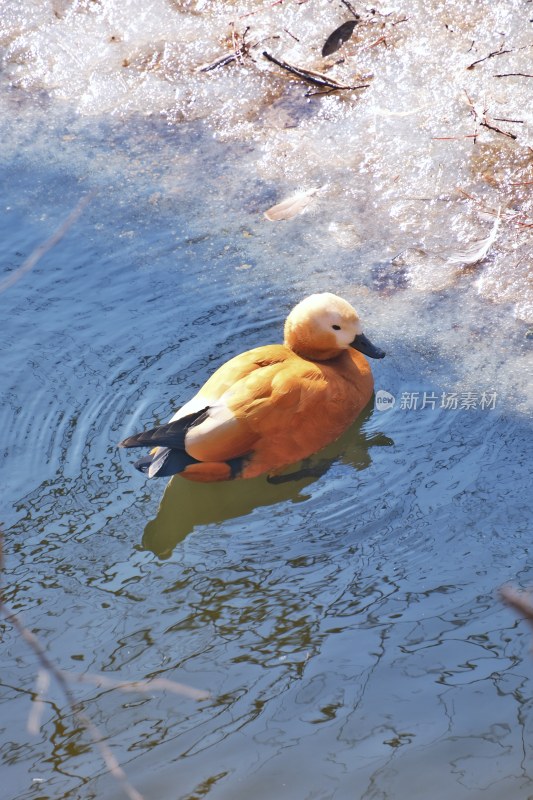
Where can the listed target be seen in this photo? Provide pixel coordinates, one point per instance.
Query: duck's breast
(310, 405)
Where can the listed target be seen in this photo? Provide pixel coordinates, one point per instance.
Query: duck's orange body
(271, 406)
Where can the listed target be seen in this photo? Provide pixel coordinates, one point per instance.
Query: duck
(271, 406)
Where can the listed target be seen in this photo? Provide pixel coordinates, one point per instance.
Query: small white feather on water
(475, 251)
(291, 206)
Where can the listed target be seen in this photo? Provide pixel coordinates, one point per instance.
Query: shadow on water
(186, 505)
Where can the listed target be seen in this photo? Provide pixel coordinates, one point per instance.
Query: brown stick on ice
(316, 78)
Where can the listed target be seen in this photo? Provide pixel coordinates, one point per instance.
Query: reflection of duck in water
(272, 406)
(185, 506)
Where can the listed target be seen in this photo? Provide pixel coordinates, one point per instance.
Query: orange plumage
(271, 406)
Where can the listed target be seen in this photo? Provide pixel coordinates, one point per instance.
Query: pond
(344, 627)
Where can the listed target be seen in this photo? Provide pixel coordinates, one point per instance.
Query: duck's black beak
(366, 347)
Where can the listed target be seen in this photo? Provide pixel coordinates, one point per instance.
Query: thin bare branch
(513, 75)
(49, 669)
(486, 124)
(316, 78)
(350, 8)
(46, 665)
(455, 138)
(33, 642)
(482, 118)
(42, 249)
(490, 55)
(291, 35)
(37, 708)
(150, 685)
(109, 759)
(240, 52)
(219, 62)
(258, 10)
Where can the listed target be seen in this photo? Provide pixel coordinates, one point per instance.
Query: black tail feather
(165, 463)
(170, 435)
(169, 456)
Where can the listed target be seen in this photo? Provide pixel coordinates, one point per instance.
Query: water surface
(346, 624)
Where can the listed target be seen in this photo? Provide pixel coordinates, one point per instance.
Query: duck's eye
(336, 327)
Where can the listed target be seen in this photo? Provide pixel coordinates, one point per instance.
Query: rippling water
(346, 624)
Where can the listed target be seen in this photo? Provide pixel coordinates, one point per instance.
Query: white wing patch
(197, 403)
(211, 439)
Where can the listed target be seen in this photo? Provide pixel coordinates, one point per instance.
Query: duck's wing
(242, 367)
(221, 434)
(212, 434)
(266, 402)
(229, 375)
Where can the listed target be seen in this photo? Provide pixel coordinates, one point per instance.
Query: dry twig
(315, 78)
(482, 118)
(350, 8)
(499, 52)
(149, 685)
(63, 679)
(513, 75)
(50, 669)
(241, 49)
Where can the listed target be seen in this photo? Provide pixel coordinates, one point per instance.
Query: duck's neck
(323, 349)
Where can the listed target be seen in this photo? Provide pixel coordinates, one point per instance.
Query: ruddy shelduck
(271, 406)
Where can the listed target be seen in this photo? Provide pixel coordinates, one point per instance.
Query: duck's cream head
(322, 325)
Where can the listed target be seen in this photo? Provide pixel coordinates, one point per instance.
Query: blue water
(346, 625)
